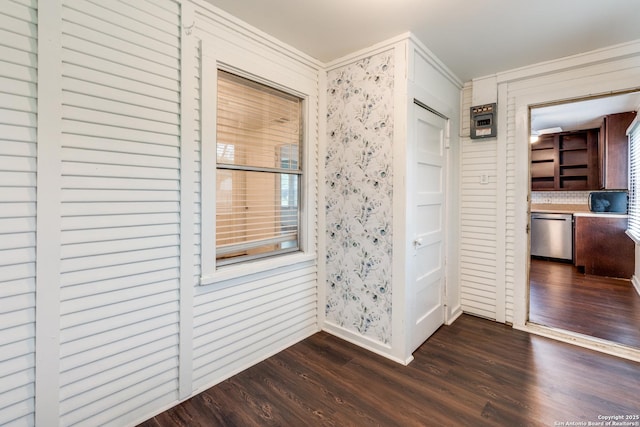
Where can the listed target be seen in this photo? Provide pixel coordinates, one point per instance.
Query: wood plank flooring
(600, 307)
(472, 373)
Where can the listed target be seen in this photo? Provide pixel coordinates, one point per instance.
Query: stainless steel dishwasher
(552, 235)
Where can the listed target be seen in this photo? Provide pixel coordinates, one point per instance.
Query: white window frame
(273, 75)
(633, 226)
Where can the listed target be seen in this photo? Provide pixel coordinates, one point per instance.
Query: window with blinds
(258, 170)
(633, 228)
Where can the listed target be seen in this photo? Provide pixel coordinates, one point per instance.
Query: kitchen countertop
(558, 208)
(601, 215)
(576, 210)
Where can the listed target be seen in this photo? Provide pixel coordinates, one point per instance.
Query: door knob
(417, 242)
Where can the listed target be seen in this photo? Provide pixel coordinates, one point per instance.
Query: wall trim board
(422, 94)
(584, 341)
(48, 227)
(580, 60)
(406, 37)
(435, 62)
(399, 317)
(501, 209)
(365, 52)
(322, 193)
(520, 217)
(362, 341)
(187, 198)
(455, 313)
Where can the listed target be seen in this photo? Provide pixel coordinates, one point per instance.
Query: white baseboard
(367, 343)
(197, 390)
(455, 313)
(636, 283)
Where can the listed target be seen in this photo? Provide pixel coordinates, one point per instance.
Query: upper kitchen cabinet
(565, 161)
(614, 151)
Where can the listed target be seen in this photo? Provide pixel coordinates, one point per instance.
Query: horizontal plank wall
(102, 133)
(120, 209)
(241, 322)
(478, 219)
(18, 121)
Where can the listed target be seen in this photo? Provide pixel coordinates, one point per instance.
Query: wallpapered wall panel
(359, 196)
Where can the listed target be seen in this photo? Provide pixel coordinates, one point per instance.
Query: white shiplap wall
(136, 333)
(241, 322)
(18, 109)
(196, 146)
(120, 209)
(478, 220)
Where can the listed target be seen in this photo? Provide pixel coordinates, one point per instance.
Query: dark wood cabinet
(602, 248)
(566, 161)
(614, 151)
(544, 158)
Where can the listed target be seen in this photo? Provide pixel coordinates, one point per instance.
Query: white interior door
(428, 204)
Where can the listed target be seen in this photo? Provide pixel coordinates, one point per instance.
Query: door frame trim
(580, 340)
(426, 107)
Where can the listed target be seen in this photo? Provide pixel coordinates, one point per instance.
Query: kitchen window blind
(633, 228)
(258, 170)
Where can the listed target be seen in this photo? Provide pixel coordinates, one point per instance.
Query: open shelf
(565, 161)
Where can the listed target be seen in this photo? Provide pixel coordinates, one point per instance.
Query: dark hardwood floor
(600, 307)
(472, 373)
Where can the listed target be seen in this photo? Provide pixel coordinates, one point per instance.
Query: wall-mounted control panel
(483, 121)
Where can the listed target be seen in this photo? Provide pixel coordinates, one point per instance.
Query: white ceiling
(473, 38)
(586, 114)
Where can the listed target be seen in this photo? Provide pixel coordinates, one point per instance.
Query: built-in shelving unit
(543, 163)
(565, 161)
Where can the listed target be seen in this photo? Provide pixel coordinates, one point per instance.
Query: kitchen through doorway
(581, 283)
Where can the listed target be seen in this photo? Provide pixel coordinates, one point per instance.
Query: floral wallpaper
(359, 196)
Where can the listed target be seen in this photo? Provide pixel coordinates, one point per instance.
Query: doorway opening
(585, 288)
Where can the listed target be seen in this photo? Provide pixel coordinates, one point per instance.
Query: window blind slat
(633, 226)
(258, 169)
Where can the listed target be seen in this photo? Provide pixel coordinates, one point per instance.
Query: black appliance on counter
(608, 202)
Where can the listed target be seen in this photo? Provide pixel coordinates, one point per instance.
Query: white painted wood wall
(18, 154)
(478, 219)
(120, 209)
(100, 106)
(101, 129)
